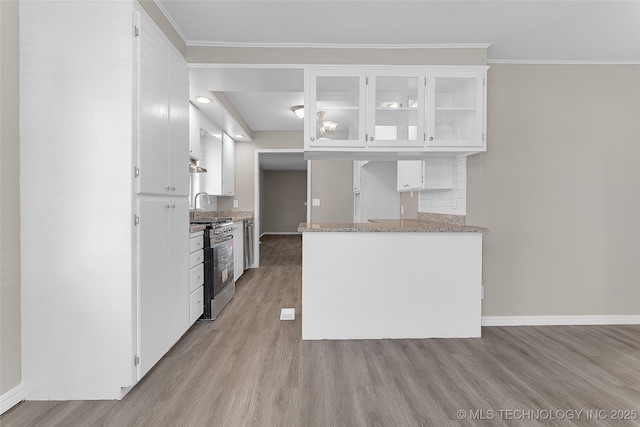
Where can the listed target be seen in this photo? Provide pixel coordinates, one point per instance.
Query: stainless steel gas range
(219, 287)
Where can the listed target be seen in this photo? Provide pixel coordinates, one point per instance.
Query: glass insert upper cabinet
(336, 116)
(395, 109)
(455, 109)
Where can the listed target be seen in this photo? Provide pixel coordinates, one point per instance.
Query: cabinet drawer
(196, 243)
(196, 306)
(196, 258)
(196, 277)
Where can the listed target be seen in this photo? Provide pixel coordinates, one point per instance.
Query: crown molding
(198, 43)
(557, 62)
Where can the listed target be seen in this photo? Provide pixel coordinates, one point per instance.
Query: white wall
(452, 201)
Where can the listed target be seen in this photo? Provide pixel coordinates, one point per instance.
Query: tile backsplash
(448, 201)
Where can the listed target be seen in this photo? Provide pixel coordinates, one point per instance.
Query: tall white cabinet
(104, 223)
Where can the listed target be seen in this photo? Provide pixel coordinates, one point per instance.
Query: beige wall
(245, 152)
(283, 206)
(558, 188)
(332, 183)
(10, 329)
(280, 55)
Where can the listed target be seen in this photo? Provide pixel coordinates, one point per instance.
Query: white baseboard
(559, 320)
(12, 398)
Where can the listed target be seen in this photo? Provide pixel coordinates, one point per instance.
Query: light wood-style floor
(248, 368)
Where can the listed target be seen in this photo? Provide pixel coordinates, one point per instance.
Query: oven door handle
(222, 239)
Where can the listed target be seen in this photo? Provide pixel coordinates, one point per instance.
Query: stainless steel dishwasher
(248, 243)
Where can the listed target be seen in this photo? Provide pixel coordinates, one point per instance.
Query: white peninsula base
(374, 285)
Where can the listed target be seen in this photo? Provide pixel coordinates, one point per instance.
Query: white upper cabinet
(228, 165)
(336, 113)
(434, 173)
(162, 155)
(456, 109)
(219, 159)
(395, 108)
(178, 125)
(153, 113)
(194, 132)
(394, 113)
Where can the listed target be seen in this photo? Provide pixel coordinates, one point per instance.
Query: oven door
(222, 263)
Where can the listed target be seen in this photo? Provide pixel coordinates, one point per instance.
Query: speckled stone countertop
(194, 228)
(393, 226)
(234, 215)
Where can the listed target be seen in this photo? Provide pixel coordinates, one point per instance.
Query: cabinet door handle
(173, 188)
(173, 206)
(167, 206)
(430, 138)
(370, 138)
(313, 138)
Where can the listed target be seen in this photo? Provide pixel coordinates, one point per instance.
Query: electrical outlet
(315, 202)
(235, 203)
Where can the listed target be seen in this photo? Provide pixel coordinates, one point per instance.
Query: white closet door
(178, 125)
(154, 293)
(153, 112)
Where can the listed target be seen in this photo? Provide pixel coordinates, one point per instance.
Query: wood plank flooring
(248, 368)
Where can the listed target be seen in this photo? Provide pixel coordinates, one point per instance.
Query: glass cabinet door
(396, 108)
(337, 110)
(456, 116)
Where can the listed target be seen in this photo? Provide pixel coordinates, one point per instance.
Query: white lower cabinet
(163, 254)
(196, 276)
(196, 304)
(238, 249)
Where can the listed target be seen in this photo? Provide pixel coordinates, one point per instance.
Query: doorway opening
(282, 191)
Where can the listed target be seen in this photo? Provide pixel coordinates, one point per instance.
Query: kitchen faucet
(195, 198)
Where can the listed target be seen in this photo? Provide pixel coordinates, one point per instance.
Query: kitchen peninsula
(391, 279)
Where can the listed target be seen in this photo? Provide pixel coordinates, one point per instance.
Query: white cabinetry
(395, 113)
(336, 100)
(431, 174)
(196, 276)
(163, 257)
(90, 304)
(395, 108)
(163, 117)
(194, 131)
(377, 198)
(219, 180)
(238, 249)
(357, 168)
(456, 109)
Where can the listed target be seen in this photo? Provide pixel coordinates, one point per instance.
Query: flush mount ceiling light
(298, 110)
(204, 100)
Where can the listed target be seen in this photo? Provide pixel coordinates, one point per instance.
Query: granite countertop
(392, 226)
(194, 228)
(234, 215)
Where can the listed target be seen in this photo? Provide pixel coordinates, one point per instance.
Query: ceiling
(591, 31)
(567, 30)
